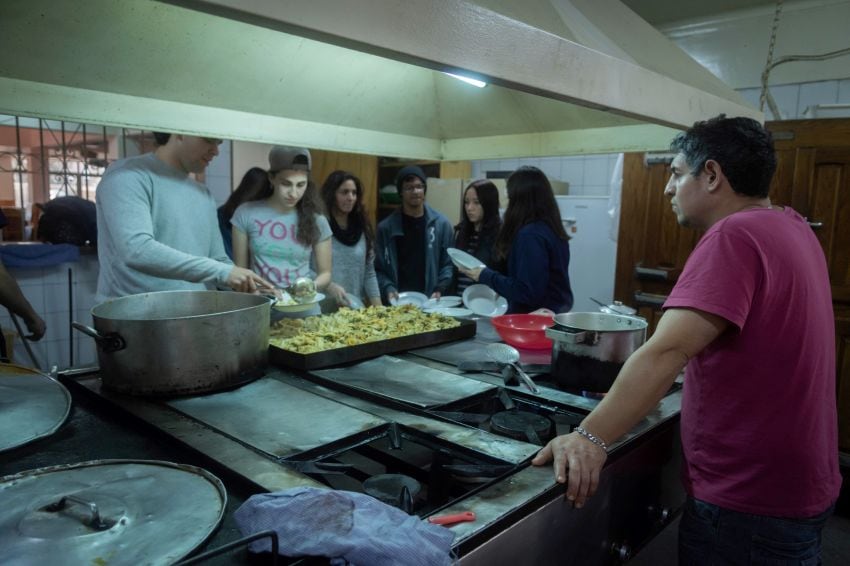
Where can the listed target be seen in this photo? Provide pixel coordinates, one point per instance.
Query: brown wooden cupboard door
(822, 195)
(651, 247)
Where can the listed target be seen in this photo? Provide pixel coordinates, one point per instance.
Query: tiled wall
(793, 99)
(47, 290)
(588, 175)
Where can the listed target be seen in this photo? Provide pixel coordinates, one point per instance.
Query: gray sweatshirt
(157, 231)
(352, 271)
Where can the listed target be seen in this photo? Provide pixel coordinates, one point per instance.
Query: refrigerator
(593, 254)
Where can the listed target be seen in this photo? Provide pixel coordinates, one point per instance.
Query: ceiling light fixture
(473, 82)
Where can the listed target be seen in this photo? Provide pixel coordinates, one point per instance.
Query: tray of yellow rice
(357, 334)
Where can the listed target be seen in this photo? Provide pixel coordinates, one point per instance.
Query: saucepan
(589, 348)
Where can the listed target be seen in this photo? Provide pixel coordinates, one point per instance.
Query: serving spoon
(506, 354)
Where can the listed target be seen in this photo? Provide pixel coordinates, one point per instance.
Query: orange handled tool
(447, 520)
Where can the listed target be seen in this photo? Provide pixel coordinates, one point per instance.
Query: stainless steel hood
(360, 76)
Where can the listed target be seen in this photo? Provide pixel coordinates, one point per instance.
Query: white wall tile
(596, 171)
(787, 98)
(508, 164)
(476, 170)
(751, 95)
(551, 167)
(822, 92)
(844, 91)
(572, 171)
(596, 190)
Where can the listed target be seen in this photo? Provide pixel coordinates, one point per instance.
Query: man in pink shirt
(750, 319)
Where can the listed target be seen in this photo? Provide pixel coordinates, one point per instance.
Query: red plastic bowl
(524, 330)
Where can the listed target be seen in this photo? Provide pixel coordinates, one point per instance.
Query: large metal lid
(32, 406)
(108, 512)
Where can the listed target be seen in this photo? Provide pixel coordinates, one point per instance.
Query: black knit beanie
(410, 170)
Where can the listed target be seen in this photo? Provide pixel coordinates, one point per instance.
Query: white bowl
(410, 298)
(299, 307)
(484, 301)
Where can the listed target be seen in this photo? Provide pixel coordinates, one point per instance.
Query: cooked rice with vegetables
(350, 327)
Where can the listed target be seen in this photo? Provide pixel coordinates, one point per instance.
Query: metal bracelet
(591, 437)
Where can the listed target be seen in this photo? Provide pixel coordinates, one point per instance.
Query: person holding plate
(277, 235)
(478, 227)
(532, 249)
(412, 243)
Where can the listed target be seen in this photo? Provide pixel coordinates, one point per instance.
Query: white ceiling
(658, 12)
(358, 76)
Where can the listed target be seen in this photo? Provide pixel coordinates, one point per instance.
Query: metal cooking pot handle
(574, 336)
(111, 342)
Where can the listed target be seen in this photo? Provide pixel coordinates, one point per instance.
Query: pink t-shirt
(759, 417)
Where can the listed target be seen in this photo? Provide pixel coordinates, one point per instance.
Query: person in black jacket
(478, 227)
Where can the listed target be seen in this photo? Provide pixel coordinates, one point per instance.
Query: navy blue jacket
(538, 275)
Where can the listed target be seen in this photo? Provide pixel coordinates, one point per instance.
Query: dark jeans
(709, 534)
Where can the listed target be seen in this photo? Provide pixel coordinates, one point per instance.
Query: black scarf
(351, 235)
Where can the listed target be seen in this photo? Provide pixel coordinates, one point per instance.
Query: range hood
(581, 76)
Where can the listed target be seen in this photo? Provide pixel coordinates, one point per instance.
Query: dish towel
(350, 528)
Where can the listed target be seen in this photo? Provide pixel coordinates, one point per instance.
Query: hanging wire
(768, 65)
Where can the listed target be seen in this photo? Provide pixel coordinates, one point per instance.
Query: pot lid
(108, 512)
(617, 307)
(32, 406)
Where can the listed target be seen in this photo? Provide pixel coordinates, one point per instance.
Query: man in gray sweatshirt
(157, 228)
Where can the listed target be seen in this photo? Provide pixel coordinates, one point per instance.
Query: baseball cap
(285, 157)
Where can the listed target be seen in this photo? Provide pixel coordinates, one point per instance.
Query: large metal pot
(589, 348)
(180, 342)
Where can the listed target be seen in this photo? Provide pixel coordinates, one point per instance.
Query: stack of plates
(484, 301)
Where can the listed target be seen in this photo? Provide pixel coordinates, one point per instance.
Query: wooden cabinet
(812, 176)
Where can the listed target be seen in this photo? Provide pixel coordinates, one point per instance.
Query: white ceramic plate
(411, 298)
(442, 303)
(462, 259)
(452, 311)
(299, 307)
(483, 301)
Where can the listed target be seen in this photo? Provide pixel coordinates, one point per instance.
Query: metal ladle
(505, 354)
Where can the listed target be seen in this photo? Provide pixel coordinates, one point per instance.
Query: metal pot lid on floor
(108, 512)
(32, 406)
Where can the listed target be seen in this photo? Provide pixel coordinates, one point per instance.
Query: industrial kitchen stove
(415, 434)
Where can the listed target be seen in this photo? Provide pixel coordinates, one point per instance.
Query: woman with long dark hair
(478, 227)
(254, 183)
(277, 234)
(533, 248)
(353, 240)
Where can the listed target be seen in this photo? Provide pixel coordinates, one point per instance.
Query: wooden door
(822, 195)
(651, 246)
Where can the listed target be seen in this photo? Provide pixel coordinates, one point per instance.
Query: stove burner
(523, 425)
(393, 489)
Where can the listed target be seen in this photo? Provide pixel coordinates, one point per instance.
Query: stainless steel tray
(337, 356)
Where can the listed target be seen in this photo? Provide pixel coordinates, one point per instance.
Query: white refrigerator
(593, 254)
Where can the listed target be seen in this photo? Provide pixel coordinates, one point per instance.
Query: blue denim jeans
(709, 534)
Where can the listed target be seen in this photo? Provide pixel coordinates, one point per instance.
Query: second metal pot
(588, 348)
(180, 342)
